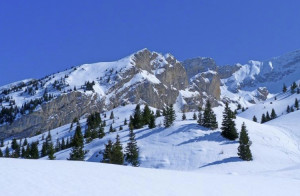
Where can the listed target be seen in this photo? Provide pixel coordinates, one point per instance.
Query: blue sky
(42, 37)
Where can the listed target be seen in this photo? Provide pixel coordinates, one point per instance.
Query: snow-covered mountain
(30, 108)
(143, 77)
(271, 73)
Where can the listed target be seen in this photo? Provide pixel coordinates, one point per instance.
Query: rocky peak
(197, 65)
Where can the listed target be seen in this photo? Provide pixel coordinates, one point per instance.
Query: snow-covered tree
(244, 151)
(77, 152)
(228, 125)
(132, 150)
(209, 117)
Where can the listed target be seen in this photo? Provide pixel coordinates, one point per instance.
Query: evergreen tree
(77, 152)
(1, 153)
(284, 89)
(209, 117)
(288, 109)
(244, 151)
(63, 144)
(7, 152)
(34, 151)
(268, 117)
(23, 152)
(296, 104)
(107, 152)
(194, 116)
(273, 114)
(157, 114)
(2, 143)
(164, 112)
(101, 132)
(25, 142)
(293, 87)
(125, 121)
(200, 118)
(112, 115)
(169, 116)
(132, 150)
(228, 125)
(292, 109)
(44, 151)
(14, 144)
(183, 116)
(51, 152)
(137, 120)
(254, 119)
(152, 122)
(27, 152)
(146, 115)
(117, 154)
(111, 129)
(263, 118)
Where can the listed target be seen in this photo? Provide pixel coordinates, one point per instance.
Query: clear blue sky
(42, 37)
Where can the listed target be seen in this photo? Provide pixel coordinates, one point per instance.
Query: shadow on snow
(227, 160)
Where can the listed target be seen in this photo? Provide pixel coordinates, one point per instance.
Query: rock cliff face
(198, 65)
(59, 111)
(144, 77)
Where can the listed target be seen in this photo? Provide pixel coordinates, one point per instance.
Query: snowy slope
(188, 146)
(30, 177)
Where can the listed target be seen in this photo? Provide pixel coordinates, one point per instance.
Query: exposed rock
(262, 93)
(59, 111)
(198, 65)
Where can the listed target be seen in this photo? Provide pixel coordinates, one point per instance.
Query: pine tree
(169, 116)
(77, 152)
(244, 151)
(293, 87)
(157, 114)
(172, 114)
(1, 153)
(44, 151)
(112, 115)
(2, 143)
(183, 116)
(14, 144)
(296, 104)
(200, 118)
(273, 114)
(111, 129)
(51, 152)
(209, 117)
(132, 150)
(292, 109)
(263, 118)
(23, 152)
(25, 142)
(288, 109)
(228, 125)
(101, 132)
(268, 118)
(254, 119)
(146, 115)
(63, 144)
(34, 151)
(284, 89)
(117, 154)
(137, 120)
(107, 152)
(125, 121)
(7, 152)
(194, 116)
(152, 122)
